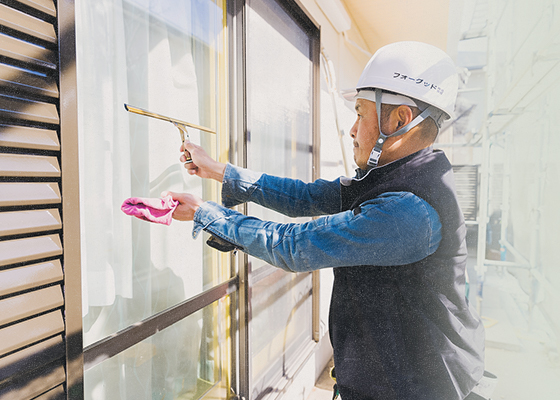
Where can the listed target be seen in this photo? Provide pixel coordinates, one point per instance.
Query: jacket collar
(361, 174)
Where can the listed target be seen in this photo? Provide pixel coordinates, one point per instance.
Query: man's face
(364, 132)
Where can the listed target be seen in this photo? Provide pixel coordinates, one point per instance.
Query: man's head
(410, 88)
(365, 132)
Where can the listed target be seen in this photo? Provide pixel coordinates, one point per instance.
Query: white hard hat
(414, 69)
(410, 69)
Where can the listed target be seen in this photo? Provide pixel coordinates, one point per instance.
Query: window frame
(239, 132)
(80, 359)
(238, 287)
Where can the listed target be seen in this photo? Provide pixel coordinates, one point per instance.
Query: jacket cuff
(237, 185)
(206, 214)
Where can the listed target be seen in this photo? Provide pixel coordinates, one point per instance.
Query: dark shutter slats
(26, 24)
(24, 137)
(19, 82)
(57, 393)
(29, 249)
(41, 353)
(28, 110)
(32, 326)
(16, 280)
(30, 53)
(30, 386)
(28, 193)
(44, 6)
(22, 222)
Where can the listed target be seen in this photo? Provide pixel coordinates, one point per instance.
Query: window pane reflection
(163, 56)
(183, 361)
(279, 94)
(281, 324)
(279, 72)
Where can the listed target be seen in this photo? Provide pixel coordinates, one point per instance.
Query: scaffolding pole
(482, 218)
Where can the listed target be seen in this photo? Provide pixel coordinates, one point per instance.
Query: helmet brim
(349, 94)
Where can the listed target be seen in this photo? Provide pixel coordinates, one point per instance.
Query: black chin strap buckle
(376, 151)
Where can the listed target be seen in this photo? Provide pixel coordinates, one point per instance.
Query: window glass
(279, 72)
(164, 56)
(281, 326)
(183, 361)
(279, 138)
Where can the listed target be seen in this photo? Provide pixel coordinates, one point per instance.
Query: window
(279, 141)
(170, 58)
(182, 361)
(167, 57)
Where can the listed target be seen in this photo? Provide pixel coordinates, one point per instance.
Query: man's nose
(353, 130)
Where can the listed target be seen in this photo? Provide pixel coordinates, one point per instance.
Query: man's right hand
(203, 165)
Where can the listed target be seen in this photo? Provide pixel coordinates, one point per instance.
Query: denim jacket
(396, 228)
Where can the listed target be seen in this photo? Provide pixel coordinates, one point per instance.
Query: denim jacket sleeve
(290, 197)
(393, 229)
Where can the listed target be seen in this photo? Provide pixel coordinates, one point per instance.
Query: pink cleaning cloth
(159, 211)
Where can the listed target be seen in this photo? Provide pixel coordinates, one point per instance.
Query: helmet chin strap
(376, 151)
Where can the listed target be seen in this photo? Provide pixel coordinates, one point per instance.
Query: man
(400, 324)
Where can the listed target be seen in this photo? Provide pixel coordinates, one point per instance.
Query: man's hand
(188, 204)
(203, 165)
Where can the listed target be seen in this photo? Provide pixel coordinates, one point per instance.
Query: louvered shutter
(466, 183)
(32, 326)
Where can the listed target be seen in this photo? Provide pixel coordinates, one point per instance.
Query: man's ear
(403, 115)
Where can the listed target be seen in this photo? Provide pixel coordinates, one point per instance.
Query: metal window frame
(238, 86)
(79, 359)
(238, 287)
(134, 334)
(241, 368)
(131, 335)
(70, 199)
